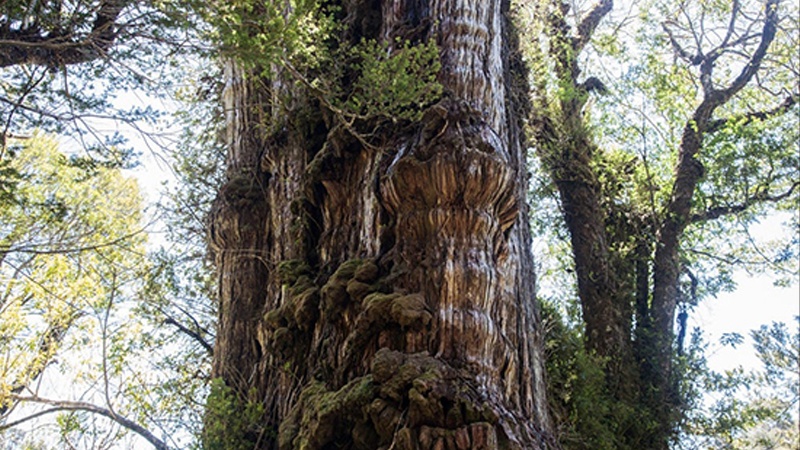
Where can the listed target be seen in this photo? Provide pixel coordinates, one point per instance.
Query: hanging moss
(306, 309)
(334, 292)
(299, 312)
(275, 318)
(405, 401)
(283, 343)
(243, 190)
(300, 309)
(367, 272)
(357, 290)
(410, 311)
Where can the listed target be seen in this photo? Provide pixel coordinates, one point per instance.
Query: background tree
(674, 157)
(371, 239)
(71, 244)
(65, 67)
(65, 64)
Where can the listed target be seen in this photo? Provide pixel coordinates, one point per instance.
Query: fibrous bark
(382, 296)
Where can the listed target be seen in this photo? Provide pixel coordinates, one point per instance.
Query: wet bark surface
(382, 296)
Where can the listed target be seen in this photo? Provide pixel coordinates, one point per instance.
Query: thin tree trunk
(382, 296)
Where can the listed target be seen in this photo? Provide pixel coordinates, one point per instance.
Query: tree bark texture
(382, 296)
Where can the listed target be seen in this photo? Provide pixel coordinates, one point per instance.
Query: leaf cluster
(586, 415)
(745, 409)
(395, 83)
(304, 42)
(232, 423)
(262, 34)
(69, 244)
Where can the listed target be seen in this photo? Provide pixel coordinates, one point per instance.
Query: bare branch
(191, 333)
(104, 340)
(723, 259)
(731, 25)
(34, 248)
(30, 85)
(679, 50)
(48, 345)
(698, 39)
(759, 197)
(65, 405)
(752, 66)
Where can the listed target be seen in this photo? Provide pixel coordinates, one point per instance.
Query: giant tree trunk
(382, 296)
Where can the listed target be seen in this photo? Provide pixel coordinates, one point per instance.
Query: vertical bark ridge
(350, 186)
(453, 191)
(239, 237)
(471, 43)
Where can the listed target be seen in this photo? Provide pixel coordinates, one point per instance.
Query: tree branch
(716, 125)
(731, 24)
(687, 175)
(589, 23)
(44, 249)
(752, 66)
(48, 344)
(760, 197)
(678, 48)
(65, 405)
(191, 333)
(56, 48)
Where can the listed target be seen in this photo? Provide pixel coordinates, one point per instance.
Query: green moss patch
(320, 416)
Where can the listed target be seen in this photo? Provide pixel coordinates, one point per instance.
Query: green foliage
(232, 423)
(82, 102)
(651, 96)
(746, 409)
(261, 33)
(633, 134)
(70, 243)
(396, 84)
(586, 415)
(367, 80)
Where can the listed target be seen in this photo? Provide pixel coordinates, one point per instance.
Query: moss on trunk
(386, 291)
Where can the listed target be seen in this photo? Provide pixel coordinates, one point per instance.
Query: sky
(755, 302)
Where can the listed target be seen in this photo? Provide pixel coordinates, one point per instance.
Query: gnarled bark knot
(452, 195)
(237, 216)
(452, 181)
